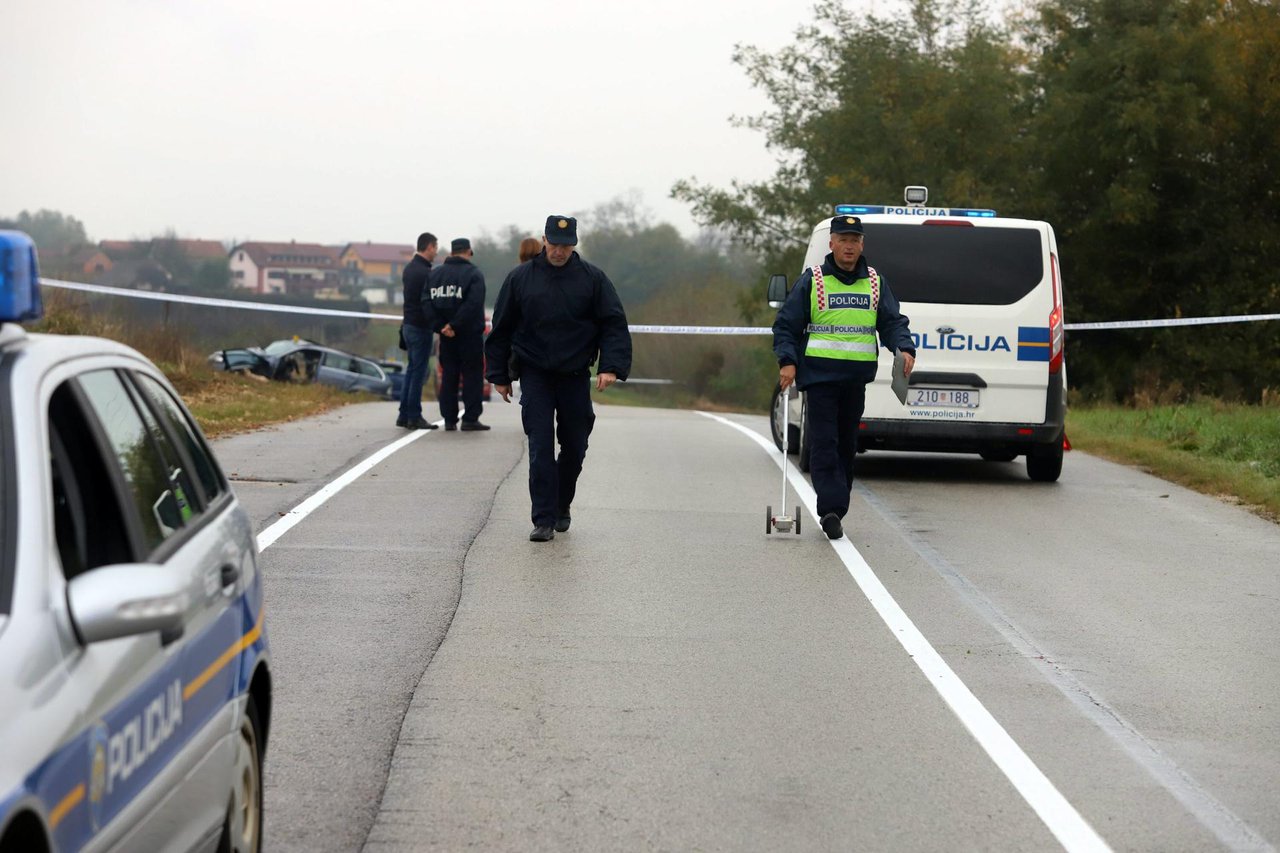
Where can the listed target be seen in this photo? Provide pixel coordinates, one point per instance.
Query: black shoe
(401, 422)
(542, 534)
(418, 423)
(450, 427)
(562, 523)
(831, 526)
(474, 426)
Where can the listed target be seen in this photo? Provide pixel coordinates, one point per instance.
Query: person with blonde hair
(529, 248)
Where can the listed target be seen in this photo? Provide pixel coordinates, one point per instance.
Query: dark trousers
(462, 357)
(418, 340)
(834, 410)
(554, 407)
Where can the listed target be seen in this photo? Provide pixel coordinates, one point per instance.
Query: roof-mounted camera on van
(916, 196)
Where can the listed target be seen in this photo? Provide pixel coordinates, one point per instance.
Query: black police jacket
(790, 336)
(414, 278)
(454, 296)
(558, 319)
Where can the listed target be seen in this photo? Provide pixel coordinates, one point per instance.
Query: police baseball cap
(561, 230)
(846, 225)
(459, 244)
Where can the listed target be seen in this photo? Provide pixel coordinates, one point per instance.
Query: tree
(861, 107)
(54, 233)
(1156, 128)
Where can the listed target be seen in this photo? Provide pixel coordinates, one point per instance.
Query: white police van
(983, 294)
(135, 697)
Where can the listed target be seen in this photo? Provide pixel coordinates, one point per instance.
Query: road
(666, 676)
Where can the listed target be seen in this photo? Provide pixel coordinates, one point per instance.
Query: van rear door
(978, 295)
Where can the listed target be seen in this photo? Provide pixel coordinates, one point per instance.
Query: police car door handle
(230, 574)
(946, 330)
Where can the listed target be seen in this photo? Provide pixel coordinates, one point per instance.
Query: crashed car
(302, 362)
(395, 372)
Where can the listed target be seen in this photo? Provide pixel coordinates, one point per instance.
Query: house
(121, 250)
(373, 264)
(293, 267)
(202, 250)
(91, 262)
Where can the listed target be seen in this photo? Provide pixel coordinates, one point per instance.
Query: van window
(956, 264)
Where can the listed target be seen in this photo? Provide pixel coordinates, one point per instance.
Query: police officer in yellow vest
(825, 341)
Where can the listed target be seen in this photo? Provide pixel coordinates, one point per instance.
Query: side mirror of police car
(777, 290)
(125, 600)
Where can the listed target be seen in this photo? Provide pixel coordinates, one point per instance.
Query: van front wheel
(1044, 462)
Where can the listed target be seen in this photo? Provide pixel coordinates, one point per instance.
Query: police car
(984, 297)
(135, 695)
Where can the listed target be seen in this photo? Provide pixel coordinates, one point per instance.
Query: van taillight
(1056, 332)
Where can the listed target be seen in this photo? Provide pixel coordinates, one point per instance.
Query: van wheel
(1044, 462)
(775, 425)
(242, 827)
(998, 455)
(805, 444)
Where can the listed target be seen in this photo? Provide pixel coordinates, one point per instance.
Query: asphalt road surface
(999, 665)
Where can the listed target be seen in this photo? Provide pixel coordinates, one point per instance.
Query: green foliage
(211, 275)
(53, 232)
(1146, 131)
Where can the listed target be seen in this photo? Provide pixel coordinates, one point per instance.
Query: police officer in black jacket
(554, 314)
(417, 333)
(453, 302)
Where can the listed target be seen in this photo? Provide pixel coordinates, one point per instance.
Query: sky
(318, 122)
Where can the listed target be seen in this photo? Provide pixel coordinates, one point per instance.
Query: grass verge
(1227, 450)
(222, 403)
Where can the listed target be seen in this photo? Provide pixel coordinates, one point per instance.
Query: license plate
(957, 398)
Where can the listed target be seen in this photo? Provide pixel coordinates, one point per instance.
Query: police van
(983, 294)
(135, 695)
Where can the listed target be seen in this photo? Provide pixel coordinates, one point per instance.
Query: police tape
(1176, 321)
(214, 302)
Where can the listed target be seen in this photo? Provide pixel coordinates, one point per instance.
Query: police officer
(453, 302)
(554, 314)
(416, 332)
(825, 341)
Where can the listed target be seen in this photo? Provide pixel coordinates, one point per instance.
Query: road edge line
(1057, 814)
(293, 517)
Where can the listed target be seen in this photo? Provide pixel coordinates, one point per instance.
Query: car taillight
(1056, 333)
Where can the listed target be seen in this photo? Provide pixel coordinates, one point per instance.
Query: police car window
(89, 527)
(180, 426)
(956, 265)
(160, 503)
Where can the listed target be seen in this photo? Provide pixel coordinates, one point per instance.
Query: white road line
(291, 518)
(1058, 815)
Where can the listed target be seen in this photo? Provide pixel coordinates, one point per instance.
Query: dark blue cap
(846, 225)
(459, 244)
(561, 230)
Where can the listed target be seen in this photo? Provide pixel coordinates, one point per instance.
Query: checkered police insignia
(563, 223)
(820, 289)
(875, 287)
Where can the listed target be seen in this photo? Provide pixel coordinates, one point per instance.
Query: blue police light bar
(923, 210)
(19, 278)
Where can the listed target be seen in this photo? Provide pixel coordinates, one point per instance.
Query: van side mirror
(777, 290)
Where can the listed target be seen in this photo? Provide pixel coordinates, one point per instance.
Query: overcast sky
(294, 119)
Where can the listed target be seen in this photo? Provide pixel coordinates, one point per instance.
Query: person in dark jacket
(453, 302)
(554, 314)
(825, 341)
(417, 333)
